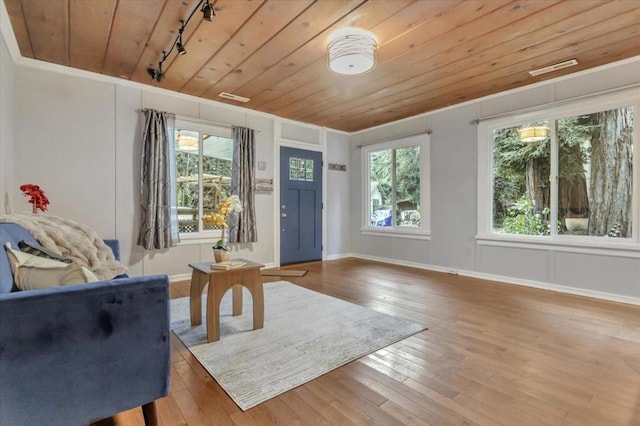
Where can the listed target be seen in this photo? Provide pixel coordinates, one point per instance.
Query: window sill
(588, 245)
(198, 238)
(413, 234)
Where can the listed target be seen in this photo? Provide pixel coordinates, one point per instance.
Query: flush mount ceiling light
(532, 134)
(207, 13)
(352, 51)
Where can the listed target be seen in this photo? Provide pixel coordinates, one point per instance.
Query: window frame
(202, 127)
(553, 113)
(420, 232)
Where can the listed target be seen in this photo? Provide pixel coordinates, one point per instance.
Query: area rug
(275, 272)
(306, 334)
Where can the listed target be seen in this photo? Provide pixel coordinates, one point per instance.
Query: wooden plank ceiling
(431, 54)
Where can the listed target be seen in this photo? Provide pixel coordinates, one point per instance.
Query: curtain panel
(243, 225)
(158, 207)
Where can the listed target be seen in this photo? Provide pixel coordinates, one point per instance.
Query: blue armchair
(75, 354)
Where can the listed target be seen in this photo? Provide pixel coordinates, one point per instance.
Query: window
(566, 175)
(203, 167)
(396, 186)
(301, 169)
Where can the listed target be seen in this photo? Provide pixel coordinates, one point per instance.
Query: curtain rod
(427, 132)
(151, 109)
(552, 104)
(215, 123)
(198, 120)
(203, 121)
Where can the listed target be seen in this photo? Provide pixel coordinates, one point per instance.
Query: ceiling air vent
(233, 97)
(554, 67)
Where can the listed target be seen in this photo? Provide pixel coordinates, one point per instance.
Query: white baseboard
(612, 297)
(406, 263)
(510, 280)
(179, 277)
(339, 256)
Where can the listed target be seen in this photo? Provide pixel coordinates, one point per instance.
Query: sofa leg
(150, 414)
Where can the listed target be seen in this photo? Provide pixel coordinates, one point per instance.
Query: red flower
(36, 196)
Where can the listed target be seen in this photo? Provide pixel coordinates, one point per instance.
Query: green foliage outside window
(523, 219)
(395, 179)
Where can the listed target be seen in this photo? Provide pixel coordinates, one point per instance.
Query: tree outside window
(594, 178)
(395, 187)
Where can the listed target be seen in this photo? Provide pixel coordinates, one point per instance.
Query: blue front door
(300, 205)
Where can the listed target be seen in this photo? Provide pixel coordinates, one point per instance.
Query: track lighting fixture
(207, 13)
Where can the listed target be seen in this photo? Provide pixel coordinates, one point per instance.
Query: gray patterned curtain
(158, 207)
(242, 228)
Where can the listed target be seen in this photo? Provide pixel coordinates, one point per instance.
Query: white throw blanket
(72, 240)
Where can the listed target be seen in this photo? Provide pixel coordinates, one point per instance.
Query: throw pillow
(38, 250)
(33, 272)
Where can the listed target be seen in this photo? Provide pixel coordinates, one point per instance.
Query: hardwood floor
(493, 354)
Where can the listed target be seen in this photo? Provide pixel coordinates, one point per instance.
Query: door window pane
(301, 169)
(595, 182)
(521, 186)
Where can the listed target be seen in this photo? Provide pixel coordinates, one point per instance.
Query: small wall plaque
(264, 185)
(338, 167)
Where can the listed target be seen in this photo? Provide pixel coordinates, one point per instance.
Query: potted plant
(577, 222)
(220, 218)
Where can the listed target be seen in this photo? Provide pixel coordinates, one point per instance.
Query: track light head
(179, 45)
(208, 12)
(152, 73)
(156, 74)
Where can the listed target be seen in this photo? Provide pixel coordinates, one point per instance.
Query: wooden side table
(221, 280)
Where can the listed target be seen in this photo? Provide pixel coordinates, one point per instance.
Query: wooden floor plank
(417, 403)
(169, 413)
(322, 403)
(494, 354)
(308, 415)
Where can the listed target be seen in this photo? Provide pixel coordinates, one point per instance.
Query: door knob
(283, 215)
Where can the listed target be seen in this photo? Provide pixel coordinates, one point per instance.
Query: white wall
(338, 208)
(7, 78)
(66, 145)
(454, 200)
